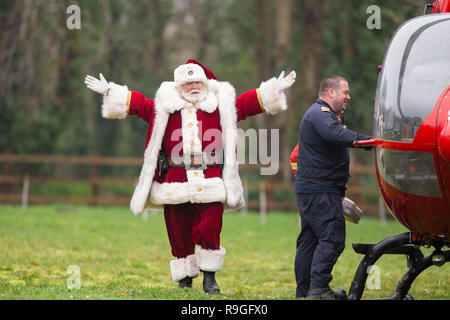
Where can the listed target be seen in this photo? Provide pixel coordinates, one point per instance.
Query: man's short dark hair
(328, 82)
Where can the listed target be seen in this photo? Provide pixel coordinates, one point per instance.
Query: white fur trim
(213, 85)
(178, 269)
(184, 267)
(228, 120)
(199, 190)
(210, 260)
(115, 103)
(190, 132)
(189, 72)
(169, 97)
(192, 269)
(142, 190)
(273, 100)
(209, 104)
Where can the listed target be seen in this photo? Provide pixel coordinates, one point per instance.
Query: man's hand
(366, 144)
(285, 82)
(100, 86)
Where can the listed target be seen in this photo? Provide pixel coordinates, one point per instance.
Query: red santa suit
(193, 198)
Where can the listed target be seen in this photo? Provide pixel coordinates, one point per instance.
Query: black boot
(326, 294)
(209, 282)
(341, 294)
(185, 283)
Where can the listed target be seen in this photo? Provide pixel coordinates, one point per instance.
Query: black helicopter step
(397, 244)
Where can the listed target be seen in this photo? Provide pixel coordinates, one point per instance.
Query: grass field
(124, 257)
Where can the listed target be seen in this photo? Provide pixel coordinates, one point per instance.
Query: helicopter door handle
(365, 143)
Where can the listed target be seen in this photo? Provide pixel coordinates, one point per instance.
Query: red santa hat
(192, 71)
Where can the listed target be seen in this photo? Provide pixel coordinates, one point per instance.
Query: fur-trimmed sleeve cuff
(273, 101)
(117, 102)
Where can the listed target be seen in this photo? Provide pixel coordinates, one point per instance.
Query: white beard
(194, 97)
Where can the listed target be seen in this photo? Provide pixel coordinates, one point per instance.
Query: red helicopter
(412, 146)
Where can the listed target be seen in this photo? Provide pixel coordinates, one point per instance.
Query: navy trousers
(321, 240)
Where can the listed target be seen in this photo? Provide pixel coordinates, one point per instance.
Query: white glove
(285, 82)
(100, 86)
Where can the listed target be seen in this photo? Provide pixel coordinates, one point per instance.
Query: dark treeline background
(46, 109)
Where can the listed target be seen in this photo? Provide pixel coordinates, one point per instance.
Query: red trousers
(189, 224)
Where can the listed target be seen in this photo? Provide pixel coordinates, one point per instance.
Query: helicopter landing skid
(397, 244)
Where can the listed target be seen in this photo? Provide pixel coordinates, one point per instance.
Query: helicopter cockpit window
(415, 71)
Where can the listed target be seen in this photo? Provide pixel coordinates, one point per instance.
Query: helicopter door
(415, 71)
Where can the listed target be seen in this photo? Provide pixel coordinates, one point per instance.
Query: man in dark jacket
(320, 183)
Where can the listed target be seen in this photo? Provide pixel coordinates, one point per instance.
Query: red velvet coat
(247, 105)
(180, 127)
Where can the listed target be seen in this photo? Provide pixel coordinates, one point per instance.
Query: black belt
(196, 161)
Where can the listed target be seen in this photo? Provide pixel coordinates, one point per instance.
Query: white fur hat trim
(189, 73)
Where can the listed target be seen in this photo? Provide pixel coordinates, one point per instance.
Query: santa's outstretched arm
(118, 101)
(269, 97)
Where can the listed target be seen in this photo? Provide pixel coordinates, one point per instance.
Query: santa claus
(190, 164)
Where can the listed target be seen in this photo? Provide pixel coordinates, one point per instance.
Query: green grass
(126, 257)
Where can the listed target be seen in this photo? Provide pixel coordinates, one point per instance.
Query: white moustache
(195, 95)
(194, 91)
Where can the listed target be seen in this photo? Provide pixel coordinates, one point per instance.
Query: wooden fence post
(270, 193)
(6, 187)
(95, 179)
(262, 202)
(25, 190)
(244, 209)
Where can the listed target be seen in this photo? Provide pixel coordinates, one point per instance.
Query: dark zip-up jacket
(323, 150)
